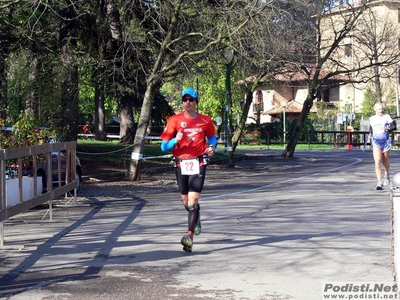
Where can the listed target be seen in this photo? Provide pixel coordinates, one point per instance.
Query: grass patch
(281, 147)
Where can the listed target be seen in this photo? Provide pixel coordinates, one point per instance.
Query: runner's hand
(210, 151)
(179, 136)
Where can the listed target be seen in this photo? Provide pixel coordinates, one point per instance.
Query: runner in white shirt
(380, 126)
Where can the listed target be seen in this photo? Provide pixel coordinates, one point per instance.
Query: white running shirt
(378, 124)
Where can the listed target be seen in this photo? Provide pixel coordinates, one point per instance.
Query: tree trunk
(127, 127)
(3, 88)
(32, 96)
(113, 19)
(377, 83)
(144, 120)
(69, 93)
(295, 135)
(243, 119)
(69, 112)
(99, 114)
(6, 42)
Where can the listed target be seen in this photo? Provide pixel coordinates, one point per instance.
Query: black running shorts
(190, 183)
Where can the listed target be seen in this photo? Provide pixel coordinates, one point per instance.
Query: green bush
(24, 133)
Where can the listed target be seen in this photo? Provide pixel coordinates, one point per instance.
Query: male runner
(380, 126)
(186, 133)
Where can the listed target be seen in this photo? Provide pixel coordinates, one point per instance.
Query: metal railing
(336, 139)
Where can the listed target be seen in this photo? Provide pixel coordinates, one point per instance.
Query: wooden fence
(51, 193)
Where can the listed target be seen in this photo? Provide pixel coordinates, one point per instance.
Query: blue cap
(191, 92)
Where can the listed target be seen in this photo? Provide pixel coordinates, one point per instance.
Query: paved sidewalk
(276, 233)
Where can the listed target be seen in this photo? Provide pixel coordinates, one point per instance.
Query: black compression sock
(192, 219)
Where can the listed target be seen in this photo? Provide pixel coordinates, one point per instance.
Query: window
(348, 50)
(258, 104)
(323, 96)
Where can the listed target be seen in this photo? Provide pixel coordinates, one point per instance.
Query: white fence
(395, 218)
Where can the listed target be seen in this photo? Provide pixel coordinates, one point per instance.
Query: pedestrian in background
(381, 125)
(191, 136)
(86, 128)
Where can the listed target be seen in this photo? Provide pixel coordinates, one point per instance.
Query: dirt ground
(105, 170)
(95, 170)
(101, 167)
(96, 166)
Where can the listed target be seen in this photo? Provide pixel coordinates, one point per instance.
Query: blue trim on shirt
(212, 140)
(168, 145)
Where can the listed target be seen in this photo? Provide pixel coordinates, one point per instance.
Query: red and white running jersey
(195, 131)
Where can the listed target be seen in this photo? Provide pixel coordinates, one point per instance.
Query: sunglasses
(188, 99)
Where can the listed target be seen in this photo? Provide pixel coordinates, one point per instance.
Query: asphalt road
(277, 233)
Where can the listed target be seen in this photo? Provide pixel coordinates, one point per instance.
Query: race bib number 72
(190, 167)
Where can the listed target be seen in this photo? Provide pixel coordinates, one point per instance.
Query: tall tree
(31, 41)
(68, 118)
(178, 32)
(109, 37)
(333, 24)
(379, 39)
(266, 46)
(7, 38)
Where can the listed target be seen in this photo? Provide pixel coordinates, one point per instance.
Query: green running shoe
(187, 242)
(197, 229)
(187, 249)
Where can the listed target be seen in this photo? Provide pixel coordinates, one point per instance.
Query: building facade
(376, 36)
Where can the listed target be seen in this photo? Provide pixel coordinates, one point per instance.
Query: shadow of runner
(109, 243)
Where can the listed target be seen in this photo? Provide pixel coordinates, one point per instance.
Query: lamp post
(228, 55)
(284, 124)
